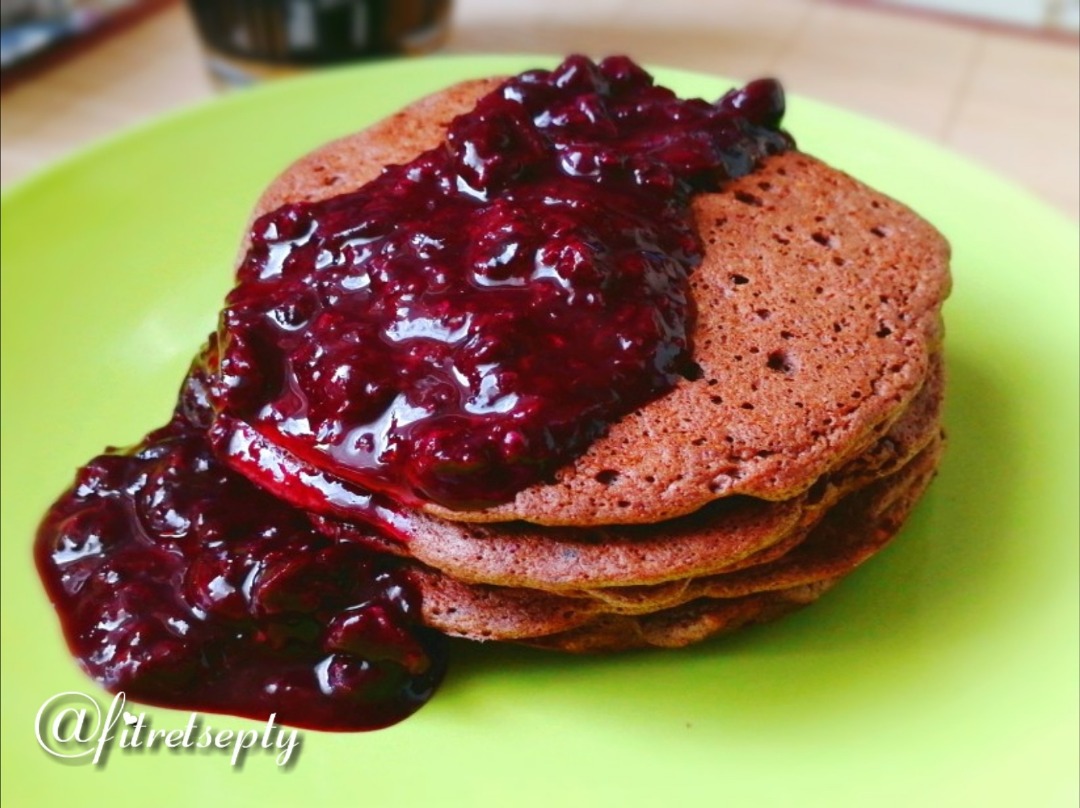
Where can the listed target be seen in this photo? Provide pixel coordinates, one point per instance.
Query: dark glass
(247, 40)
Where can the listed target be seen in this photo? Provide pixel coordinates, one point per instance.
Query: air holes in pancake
(739, 280)
(607, 476)
(884, 331)
(746, 405)
(822, 238)
(724, 478)
(781, 362)
(748, 199)
(691, 371)
(716, 399)
(763, 314)
(880, 232)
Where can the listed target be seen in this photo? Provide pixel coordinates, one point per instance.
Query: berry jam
(182, 584)
(454, 331)
(466, 324)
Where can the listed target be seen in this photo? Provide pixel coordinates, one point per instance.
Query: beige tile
(27, 113)
(70, 121)
(1028, 69)
(125, 80)
(1020, 116)
(16, 163)
(892, 66)
(737, 38)
(702, 51)
(521, 14)
(740, 38)
(21, 109)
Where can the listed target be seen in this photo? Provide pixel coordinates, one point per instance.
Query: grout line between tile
(959, 97)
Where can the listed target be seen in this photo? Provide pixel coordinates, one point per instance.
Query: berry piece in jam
(466, 324)
(180, 583)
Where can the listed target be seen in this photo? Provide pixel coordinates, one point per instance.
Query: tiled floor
(981, 91)
(1060, 14)
(1009, 101)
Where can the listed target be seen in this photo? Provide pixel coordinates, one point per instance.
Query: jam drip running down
(182, 584)
(466, 324)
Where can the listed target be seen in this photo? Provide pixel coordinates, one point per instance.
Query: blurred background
(995, 80)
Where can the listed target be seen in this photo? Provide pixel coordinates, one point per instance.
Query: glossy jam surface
(466, 324)
(180, 583)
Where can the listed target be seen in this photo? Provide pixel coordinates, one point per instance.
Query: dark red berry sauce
(180, 583)
(453, 331)
(467, 323)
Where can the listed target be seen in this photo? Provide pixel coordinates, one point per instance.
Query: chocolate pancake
(846, 539)
(724, 535)
(856, 528)
(817, 313)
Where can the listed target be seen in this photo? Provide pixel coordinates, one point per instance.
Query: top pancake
(818, 307)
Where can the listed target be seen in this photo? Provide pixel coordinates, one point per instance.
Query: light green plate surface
(944, 672)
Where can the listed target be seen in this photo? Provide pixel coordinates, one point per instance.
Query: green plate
(944, 672)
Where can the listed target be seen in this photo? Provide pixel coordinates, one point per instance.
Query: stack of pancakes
(794, 454)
